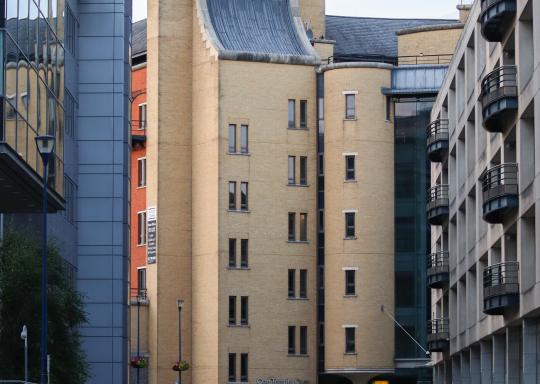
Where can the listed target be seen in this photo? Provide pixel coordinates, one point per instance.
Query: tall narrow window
(232, 138)
(292, 170)
(303, 113)
(244, 310)
(321, 220)
(303, 283)
(303, 340)
(303, 227)
(142, 116)
(244, 137)
(232, 310)
(292, 226)
(244, 367)
(141, 279)
(232, 367)
(350, 169)
(292, 114)
(349, 225)
(321, 164)
(303, 170)
(244, 196)
(292, 283)
(388, 109)
(232, 195)
(350, 342)
(244, 251)
(141, 228)
(292, 340)
(232, 253)
(350, 106)
(350, 282)
(141, 168)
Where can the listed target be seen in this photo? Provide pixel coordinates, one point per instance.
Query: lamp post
(45, 146)
(180, 304)
(24, 336)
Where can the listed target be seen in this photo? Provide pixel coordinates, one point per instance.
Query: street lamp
(180, 304)
(45, 146)
(24, 336)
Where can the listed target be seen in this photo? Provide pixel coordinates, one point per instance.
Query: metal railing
(438, 329)
(499, 181)
(501, 279)
(437, 196)
(500, 83)
(440, 59)
(437, 130)
(140, 294)
(438, 262)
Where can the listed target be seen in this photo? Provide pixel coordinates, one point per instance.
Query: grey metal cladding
(258, 30)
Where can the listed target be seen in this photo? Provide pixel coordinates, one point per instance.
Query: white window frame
(139, 243)
(141, 160)
(142, 126)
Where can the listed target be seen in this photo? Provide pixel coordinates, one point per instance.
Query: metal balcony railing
(437, 130)
(501, 279)
(438, 329)
(440, 59)
(438, 262)
(139, 294)
(498, 84)
(500, 181)
(437, 196)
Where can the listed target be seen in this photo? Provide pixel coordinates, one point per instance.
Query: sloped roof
(138, 37)
(364, 36)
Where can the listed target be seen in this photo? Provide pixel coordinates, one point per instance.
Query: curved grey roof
(364, 36)
(138, 37)
(258, 30)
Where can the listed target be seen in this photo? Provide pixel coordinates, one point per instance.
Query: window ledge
(351, 353)
(298, 241)
(297, 298)
(141, 245)
(297, 129)
(238, 326)
(141, 187)
(297, 355)
(239, 153)
(350, 238)
(298, 185)
(350, 119)
(238, 268)
(350, 296)
(350, 181)
(238, 211)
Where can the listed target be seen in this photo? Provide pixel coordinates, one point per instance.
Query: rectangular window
(350, 106)
(292, 170)
(292, 114)
(142, 116)
(70, 108)
(292, 283)
(232, 195)
(349, 225)
(321, 164)
(303, 170)
(292, 226)
(303, 340)
(350, 342)
(321, 221)
(244, 196)
(70, 195)
(292, 340)
(244, 136)
(232, 253)
(303, 227)
(141, 166)
(232, 138)
(232, 310)
(244, 251)
(244, 368)
(244, 310)
(71, 26)
(141, 226)
(350, 169)
(388, 109)
(303, 283)
(232, 367)
(303, 113)
(141, 279)
(350, 282)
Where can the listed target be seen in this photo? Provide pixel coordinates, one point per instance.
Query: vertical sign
(151, 245)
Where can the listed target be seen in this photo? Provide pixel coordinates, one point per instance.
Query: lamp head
(24, 333)
(45, 145)
(180, 303)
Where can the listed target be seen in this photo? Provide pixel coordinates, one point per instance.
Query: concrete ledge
(429, 28)
(359, 64)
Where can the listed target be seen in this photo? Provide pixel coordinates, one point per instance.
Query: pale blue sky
(435, 9)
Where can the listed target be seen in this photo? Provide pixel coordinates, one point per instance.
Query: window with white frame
(141, 228)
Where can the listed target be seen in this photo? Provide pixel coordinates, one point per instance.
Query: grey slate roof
(364, 36)
(138, 37)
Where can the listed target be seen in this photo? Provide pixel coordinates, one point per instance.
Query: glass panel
(349, 225)
(232, 138)
(292, 170)
(244, 196)
(350, 346)
(232, 253)
(292, 341)
(303, 340)
(244, 367)
(350, 283)
(244, 300)
(232, 195)
(303, 170)
(232, 367)
(303, 113)
(292, 114)
(292, 283)
(303, 227)
(244, 253)
(350, 168)
(292, 226)
(232, 310)
(350, 106)
(303, 283)
(244, 139)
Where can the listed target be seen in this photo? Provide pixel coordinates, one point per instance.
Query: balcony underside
(437, 279)
(438, 343)
(437, 150)
(500, 114)
(497, 19)
(498, 304)
(496, 211)
(438, 215)
(21, 188)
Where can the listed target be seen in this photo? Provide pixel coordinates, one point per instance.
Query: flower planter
(139, 362)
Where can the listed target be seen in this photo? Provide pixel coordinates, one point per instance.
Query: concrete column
(475, 365)
(499, 359)
(530, 334)
(456, 370)
(465, 368)
(486, 359)
(513, 355)
(447, 372)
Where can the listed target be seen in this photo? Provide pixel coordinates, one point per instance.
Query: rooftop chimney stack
(464, 10)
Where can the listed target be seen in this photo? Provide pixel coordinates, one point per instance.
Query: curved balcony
(501, 287)
(500, 98)
(437, 140)
(496, 18)
(500, 192)
(438, 335)
(438, 270)
(438, 204)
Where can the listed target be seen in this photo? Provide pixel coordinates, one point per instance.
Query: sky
(434, 9)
